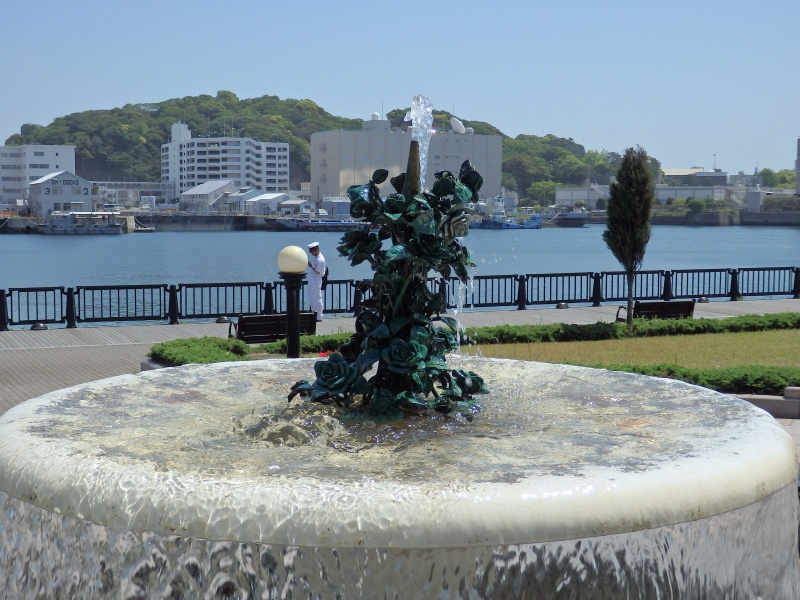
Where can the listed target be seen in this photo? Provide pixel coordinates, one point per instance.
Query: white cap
(313, 245)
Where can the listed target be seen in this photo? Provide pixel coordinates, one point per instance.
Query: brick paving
(33, 363)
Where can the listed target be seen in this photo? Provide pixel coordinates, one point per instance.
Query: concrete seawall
(23, 225)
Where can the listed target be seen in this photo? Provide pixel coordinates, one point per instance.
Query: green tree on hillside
(125, 143)
(786, 178)
(630, 201)
(768, 177)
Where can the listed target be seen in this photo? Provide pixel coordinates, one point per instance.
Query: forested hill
(124, 144)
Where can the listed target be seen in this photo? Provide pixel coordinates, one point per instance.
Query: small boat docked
(82, 223)
(493, 222)
(564, 218)
(499, 220)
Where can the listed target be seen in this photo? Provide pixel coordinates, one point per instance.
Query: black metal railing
(647, 285)
(95, 304)
(28, 306)
(162, 302)
(214, 300)
(709, 283)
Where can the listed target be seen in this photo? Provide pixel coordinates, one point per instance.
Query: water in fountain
(199, 481)
(421, 117)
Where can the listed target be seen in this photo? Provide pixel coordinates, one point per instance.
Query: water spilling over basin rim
(557, 453)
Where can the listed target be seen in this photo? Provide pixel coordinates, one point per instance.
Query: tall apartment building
(20, 165)
(188, 161)
(340, 159)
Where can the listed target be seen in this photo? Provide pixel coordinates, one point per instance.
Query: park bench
(260, 329)
(660, 309)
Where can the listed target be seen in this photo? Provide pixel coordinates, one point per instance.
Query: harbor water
(223, 257)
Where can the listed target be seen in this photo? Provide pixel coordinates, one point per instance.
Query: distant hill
(124, 144)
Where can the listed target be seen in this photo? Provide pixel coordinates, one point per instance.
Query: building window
(38, 153)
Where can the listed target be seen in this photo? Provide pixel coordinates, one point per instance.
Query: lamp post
(292, 262)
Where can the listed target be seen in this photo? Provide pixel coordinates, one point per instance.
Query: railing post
(443, 291)
(597, 289)
(3, 311)
(667, 286)
(173, 305)
(356, 298)
(796, 290)
(72, 314)
(734, 295)
(522, 298)
(269, 305)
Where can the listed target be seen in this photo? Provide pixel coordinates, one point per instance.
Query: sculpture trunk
(411, 186)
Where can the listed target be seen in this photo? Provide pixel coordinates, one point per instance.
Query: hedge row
(750, 379)
(180, 352)
(560, 332)
(738, 380)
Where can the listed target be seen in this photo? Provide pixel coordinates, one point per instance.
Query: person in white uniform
(317, 264)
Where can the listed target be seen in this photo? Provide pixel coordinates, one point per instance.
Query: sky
(701, 83)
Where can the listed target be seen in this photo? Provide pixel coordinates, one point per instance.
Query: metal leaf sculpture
(401, 338)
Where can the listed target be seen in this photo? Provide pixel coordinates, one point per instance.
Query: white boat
(82, 223)
(565, 218)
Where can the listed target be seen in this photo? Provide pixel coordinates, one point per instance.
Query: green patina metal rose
(335, 375)
(404, 357)
(394, 362)
(455, 224)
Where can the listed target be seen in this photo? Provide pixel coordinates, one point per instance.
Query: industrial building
(22, 165)
(343, 158)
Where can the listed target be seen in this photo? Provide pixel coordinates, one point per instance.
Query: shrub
(199, 350)
(751, 379)
(210, 349)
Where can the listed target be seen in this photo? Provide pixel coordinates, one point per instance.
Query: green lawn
(767, 348)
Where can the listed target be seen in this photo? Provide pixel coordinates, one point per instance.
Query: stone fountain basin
(557, 453)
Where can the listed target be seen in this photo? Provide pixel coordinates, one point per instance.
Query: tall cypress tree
(628, 216)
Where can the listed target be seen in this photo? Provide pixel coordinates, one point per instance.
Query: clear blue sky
(686, 80)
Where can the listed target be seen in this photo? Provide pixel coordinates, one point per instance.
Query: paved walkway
(33, 363)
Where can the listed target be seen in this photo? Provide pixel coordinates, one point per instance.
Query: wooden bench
(260, 329)
(660, 309)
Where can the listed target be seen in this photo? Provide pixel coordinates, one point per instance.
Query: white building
(21, 165)
(568, 196)
(61, 191)
(248, 201)
(340, 159)
(209, 196)
(188, 161)
(265, 204)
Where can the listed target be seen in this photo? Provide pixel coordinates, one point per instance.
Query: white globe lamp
(292, 262)
(292, 259)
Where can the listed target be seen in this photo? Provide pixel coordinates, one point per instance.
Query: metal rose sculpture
(395, 360)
